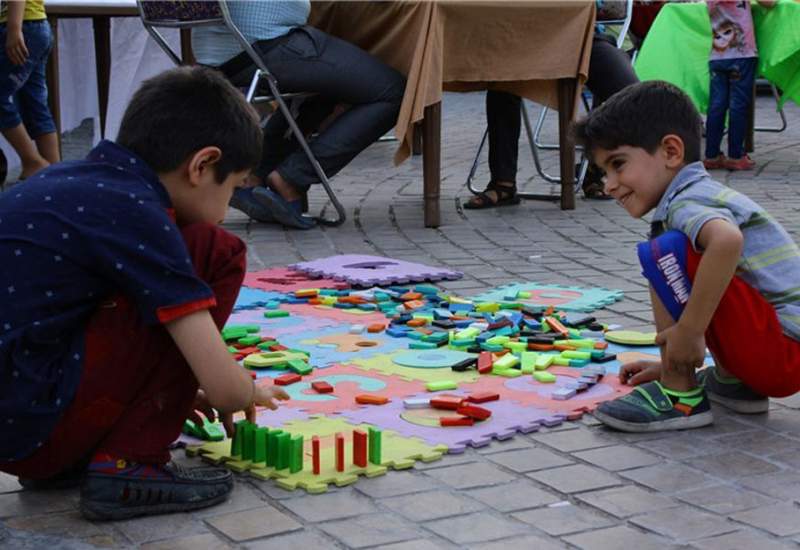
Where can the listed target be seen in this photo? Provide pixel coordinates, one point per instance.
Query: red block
(369, 399)
(473, 411)
(340, 452)
(360, 448)
(286, 379)
(485, 362)
(277, 347)
(321, 387)
(447, 402)
(456, 421)
(483, 397)
(315, 454)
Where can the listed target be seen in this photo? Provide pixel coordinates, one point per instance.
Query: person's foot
(731, 393)
(118, 489)
(715, 163)
(283, 188)
(497, 193)
(651, 408)
(744, 163)
(243, 200)
(31, 167)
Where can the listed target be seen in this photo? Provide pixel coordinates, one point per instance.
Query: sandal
(506, 196)
(593, 186)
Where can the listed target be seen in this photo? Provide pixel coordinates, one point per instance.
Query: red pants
(747, 339)
(136, 388)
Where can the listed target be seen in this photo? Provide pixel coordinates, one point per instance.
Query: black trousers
(610, 71)
(309, 60)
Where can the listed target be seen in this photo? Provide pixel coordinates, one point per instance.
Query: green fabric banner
(679, 43)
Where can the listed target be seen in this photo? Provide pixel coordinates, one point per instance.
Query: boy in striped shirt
(723, 273)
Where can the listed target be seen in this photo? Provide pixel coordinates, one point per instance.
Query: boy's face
(634, 177)
(209, 201)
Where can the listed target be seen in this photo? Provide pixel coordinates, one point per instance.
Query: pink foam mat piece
(363, 270)
(282, 279)
(507, 419)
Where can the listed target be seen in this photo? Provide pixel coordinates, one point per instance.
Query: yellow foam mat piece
(385, 365)
(397, 452)
(631, 337)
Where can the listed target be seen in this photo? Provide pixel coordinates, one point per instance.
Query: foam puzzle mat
(395, 363)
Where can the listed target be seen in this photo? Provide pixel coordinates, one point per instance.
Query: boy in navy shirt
(115, 284)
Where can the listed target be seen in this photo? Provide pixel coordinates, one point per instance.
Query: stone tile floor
(730, 486)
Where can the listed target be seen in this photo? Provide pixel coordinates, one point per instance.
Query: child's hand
(265, 396)
(683, 350)
(16, 49)
(202, 405)
(639, 372)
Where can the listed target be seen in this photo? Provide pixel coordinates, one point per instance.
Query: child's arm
(684, 342)
(15, 42)
(227, 386)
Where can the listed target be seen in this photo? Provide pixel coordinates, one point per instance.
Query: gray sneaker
(243, 201)
(731, 393)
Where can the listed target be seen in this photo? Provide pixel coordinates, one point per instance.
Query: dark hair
(180, 111)
(640, 116)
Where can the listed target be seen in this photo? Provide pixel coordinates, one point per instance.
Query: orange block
(370, 399)
(305, 293)
(456, 421)
(447, 402)
(564, 347)
(541, 347)
(314, 301)
(417, 323)
(414, 304)
(601, 345)
(377, 327)
(411, 296)
(556, 325)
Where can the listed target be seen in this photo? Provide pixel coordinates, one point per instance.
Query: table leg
(102, 54)
(566, 144)
(431, 162)
(416, 139)
(186, 47)
(51, 74)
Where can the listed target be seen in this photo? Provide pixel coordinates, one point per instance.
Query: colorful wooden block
(260, 445)
(284, 440)
(413, 403)
(485, 362)
(315, 463)
(375, 447)
(441, 385)
(544, 377)
(272, 447)
(483, 397)
(296, 454)
(286, 379)
(360, 440)
(370, 399)
(320, 386)
(456, 421)
(446, 402)
(473, 411)
(339, 452)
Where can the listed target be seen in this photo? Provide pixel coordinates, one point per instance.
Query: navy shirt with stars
(71, 237)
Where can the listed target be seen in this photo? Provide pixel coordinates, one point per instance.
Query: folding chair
(534, 133)
(177, 14)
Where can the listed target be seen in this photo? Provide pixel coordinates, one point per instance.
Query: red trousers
(136, 388)
(747, 339)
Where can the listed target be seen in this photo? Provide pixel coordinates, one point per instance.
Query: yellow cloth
(34, 11)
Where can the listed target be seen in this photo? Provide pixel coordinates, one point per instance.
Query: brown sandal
(506, 196)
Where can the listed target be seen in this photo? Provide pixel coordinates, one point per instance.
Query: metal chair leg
(781, 114)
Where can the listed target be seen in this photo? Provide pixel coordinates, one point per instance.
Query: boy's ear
(674, 149)
(202, 162)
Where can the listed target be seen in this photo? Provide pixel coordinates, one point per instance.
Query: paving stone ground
(733, 485)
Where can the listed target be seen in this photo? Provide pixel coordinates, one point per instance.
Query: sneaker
(715, 163)
(744, 163)
(120, 490)
(242, 200)
(652, 408)
(731, 393)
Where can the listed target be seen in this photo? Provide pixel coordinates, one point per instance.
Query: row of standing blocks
(279, 449)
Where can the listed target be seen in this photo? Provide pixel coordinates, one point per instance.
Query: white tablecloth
(134, 57)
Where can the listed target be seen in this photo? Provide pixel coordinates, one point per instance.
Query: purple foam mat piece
(507, 419)
(363, 270)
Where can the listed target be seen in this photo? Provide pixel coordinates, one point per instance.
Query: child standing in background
(25, 118)
(732, 64)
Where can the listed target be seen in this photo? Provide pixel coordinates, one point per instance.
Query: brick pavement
(577, 486)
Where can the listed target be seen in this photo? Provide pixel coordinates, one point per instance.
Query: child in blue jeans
(732, 64)
(25, 118)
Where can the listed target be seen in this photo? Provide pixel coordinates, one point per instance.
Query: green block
(375, 446)
(296, 455)
(272, 447)
(422, 345)
(490, 307)
(238, 438)
(544, 376)
(498, 340)
(284, 441)
(491, 347)
(544, 361)
(437, 337)
(249, 441)
(275, 313)
(232, 349)
(560, 361)
(508, 361)
(507, 373)
(441, 385)
(572, 354)
(414, 335)
(516, 347)
(581, 343)
(265, 345)
(467, 334)
(260, 453)
(598, 354)
(249, 340)
(233, 334)
(300, 367)
(528, 360)
(523, 294)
